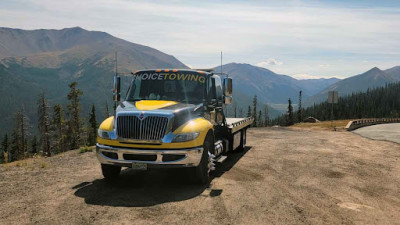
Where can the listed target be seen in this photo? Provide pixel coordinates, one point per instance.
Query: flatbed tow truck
(171, 118)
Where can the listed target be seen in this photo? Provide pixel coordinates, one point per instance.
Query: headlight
(185, 137)
(103, 134)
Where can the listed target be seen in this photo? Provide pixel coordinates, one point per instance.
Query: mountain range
(32, 61)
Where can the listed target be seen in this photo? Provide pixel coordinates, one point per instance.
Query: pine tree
(92, 131)
(300, 110)
(249, 112)
(34, 145)
(58, 125)
(107, 111)
(44, 124)
(290, 114)
(4, 149)
(255, 110)
(240, 112)
(74, 111)
(266, 116)
(260, 119)
(15, 146)
(20, 135)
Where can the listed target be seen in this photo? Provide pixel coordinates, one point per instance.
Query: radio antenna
(116, 67)
(221, 62)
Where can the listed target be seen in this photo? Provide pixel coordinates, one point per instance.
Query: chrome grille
(150, 128)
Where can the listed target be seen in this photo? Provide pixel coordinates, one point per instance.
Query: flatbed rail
(236, 124)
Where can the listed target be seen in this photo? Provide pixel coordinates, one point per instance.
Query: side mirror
(227, 90)
(117, 89)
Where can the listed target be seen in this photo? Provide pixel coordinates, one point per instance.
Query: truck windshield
(180, 87)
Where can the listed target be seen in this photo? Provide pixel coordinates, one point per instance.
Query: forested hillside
(375, 103)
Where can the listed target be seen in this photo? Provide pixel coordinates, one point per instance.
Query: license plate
(139, 166)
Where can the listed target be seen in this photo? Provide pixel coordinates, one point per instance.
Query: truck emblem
(141, 116)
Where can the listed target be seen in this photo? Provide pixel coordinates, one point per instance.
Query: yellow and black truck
(170, 118)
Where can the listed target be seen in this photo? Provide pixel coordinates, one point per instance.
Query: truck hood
(154, 106)
(181, 112)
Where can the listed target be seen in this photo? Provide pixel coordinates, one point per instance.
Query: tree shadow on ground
(149, 188)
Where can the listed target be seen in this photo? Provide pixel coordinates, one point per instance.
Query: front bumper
(120, 156)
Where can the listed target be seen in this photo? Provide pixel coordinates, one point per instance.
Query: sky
(300, 38)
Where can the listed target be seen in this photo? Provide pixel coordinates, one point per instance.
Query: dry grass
(324, 125)
(29, 163)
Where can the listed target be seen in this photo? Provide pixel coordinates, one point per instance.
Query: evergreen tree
(58, 126)
(44, 124)
(240, 112)
(249, 112)
(255, 110)
(107, 111)
(74, 123)
(34, 145)
(15, 146)
(290, 114)
(4, 148)
(20, 136)
(266, 116)
(260, 119)
(92, 131)
(300, 110)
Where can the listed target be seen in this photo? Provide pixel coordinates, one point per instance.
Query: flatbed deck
(236, 124)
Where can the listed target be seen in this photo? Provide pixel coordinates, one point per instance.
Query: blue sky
(304, 39)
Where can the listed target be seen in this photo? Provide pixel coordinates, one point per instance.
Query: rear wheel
(110, 172)
(202, 171)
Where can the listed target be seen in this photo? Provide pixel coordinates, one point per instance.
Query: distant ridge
(374, 77)
(271, 87)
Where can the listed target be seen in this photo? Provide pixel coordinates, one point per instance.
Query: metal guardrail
(355, 124)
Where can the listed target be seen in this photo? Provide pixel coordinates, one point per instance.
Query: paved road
(387, 132)
(285, 176)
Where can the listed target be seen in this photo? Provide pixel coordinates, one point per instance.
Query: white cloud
(269, 62)
(306, 76)
(302, 34)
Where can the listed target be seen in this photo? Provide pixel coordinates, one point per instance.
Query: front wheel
(202, 171)
(110, 172)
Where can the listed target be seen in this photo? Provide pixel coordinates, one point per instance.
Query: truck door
(215, 98)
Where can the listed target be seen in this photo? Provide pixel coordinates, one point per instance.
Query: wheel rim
(211, 162)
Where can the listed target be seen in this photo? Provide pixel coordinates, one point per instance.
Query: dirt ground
(285, 176)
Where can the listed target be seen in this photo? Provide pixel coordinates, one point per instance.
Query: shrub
(84, 149)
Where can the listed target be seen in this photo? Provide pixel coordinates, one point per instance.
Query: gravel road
(285, 176)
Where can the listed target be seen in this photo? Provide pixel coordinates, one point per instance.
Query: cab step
(221, 159)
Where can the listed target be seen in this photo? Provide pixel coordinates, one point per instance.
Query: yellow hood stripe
(153, 104)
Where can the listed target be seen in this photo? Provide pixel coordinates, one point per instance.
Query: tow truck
(170, 118)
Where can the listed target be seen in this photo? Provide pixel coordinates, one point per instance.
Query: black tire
(110, 172)
(242, 145)
(202, 171)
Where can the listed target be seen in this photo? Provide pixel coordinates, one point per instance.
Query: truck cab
(170, 118)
